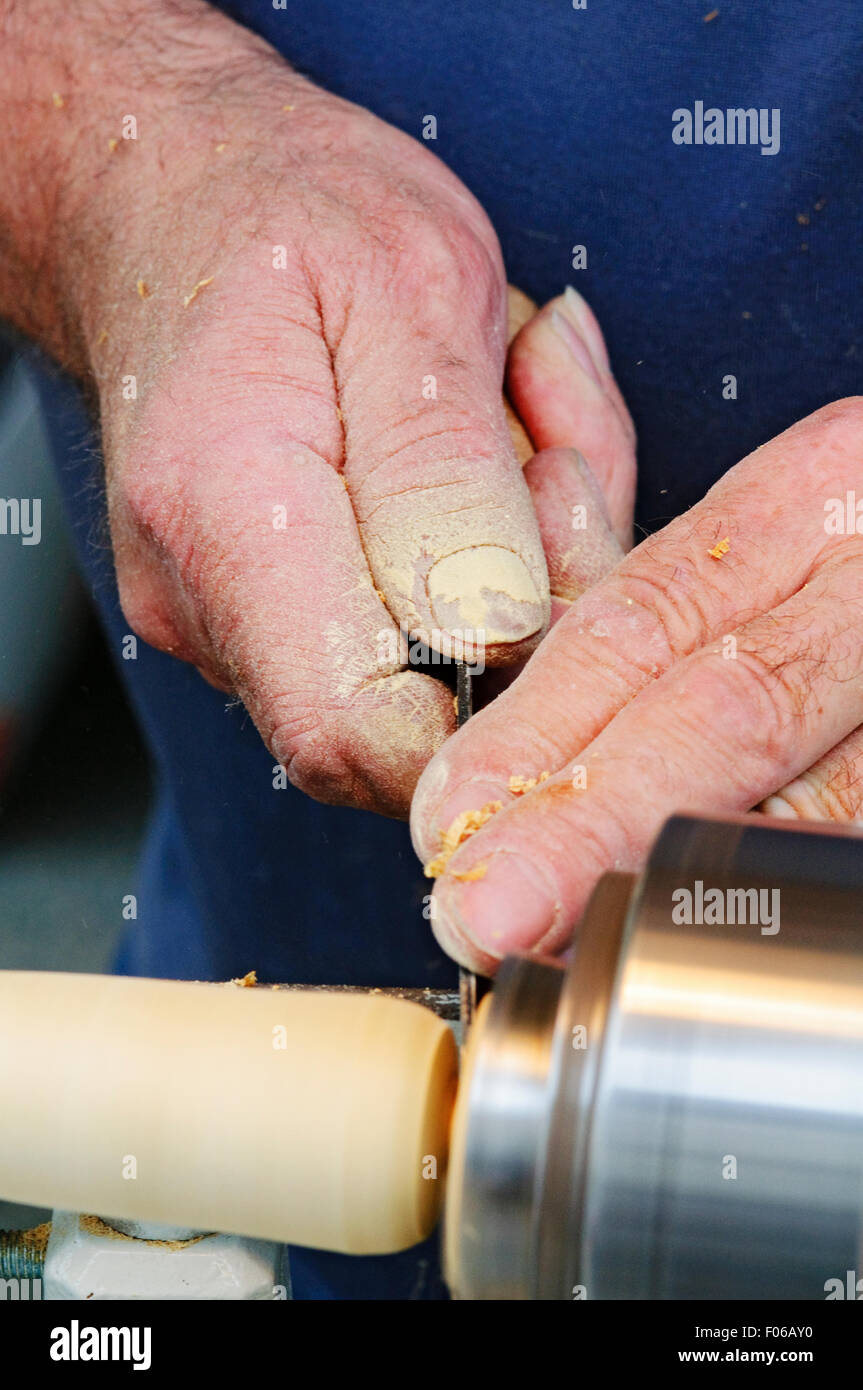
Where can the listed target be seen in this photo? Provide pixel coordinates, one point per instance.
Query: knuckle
(673, 602)
(772, 696)
(311, 746)
(843, 418)
(411, 465)
(448, 263)
(826, 448)
(194, 526)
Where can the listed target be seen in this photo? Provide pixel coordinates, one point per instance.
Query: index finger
(675, 592)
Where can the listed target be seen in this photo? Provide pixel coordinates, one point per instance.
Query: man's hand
(720, 663)
(295, 320)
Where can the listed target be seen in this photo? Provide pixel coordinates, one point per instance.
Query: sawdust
(466, 823)
(143, 289)
(246, 981)
(36, 1239)
(95, 1226)
(721, 548)
(472, 875)
(487, 589)
(520, 786)
(196, 290)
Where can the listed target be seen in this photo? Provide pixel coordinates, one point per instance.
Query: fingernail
(431, 815)
(485, 589)
(586, 323)
(576, 348)
(513, 908)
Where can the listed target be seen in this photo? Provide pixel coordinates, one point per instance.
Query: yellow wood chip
(143, 289)
(113, 145)
(57, 100)
(472, 875)
(246, 981)
(196, 289)
(466, 823)
(519, 786)
(721, 548)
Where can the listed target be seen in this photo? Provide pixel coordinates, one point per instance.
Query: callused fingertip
(450, 935)
(485, 594)
(427, 796)
(504, 903)
(435, 813)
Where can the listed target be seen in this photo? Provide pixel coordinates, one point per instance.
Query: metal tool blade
(466, 978)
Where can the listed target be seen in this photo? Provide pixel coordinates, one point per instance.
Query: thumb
(443, 510)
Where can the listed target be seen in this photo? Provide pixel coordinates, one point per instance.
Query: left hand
(694, 677)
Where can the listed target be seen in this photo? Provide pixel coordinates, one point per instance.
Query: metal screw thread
(22, 1254)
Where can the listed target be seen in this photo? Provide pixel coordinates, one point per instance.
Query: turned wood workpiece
(312, 1118)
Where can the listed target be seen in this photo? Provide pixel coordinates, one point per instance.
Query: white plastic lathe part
(86, 1259)
(318, 1119)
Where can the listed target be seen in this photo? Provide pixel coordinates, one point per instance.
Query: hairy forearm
(104, 106)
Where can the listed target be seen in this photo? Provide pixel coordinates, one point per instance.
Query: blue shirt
(703, 261)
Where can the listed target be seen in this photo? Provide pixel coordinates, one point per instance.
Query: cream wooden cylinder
(313, 1118)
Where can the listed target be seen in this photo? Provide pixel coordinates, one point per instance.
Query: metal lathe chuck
(678, 1114)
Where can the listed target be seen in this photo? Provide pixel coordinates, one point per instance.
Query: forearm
(91, 95)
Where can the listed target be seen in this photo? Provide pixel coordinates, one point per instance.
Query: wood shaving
(721, 548)
(143, 289)
(472, 875)
(519, 786)
(196, 289)
(288, 108)
(246, 981)
(221, 147)
(95, 1226)
(57, 100)
(466, 823)
(113, 145)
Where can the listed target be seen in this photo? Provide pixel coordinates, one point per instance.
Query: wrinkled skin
(280, 489)
(280, 275)
(640, 704)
